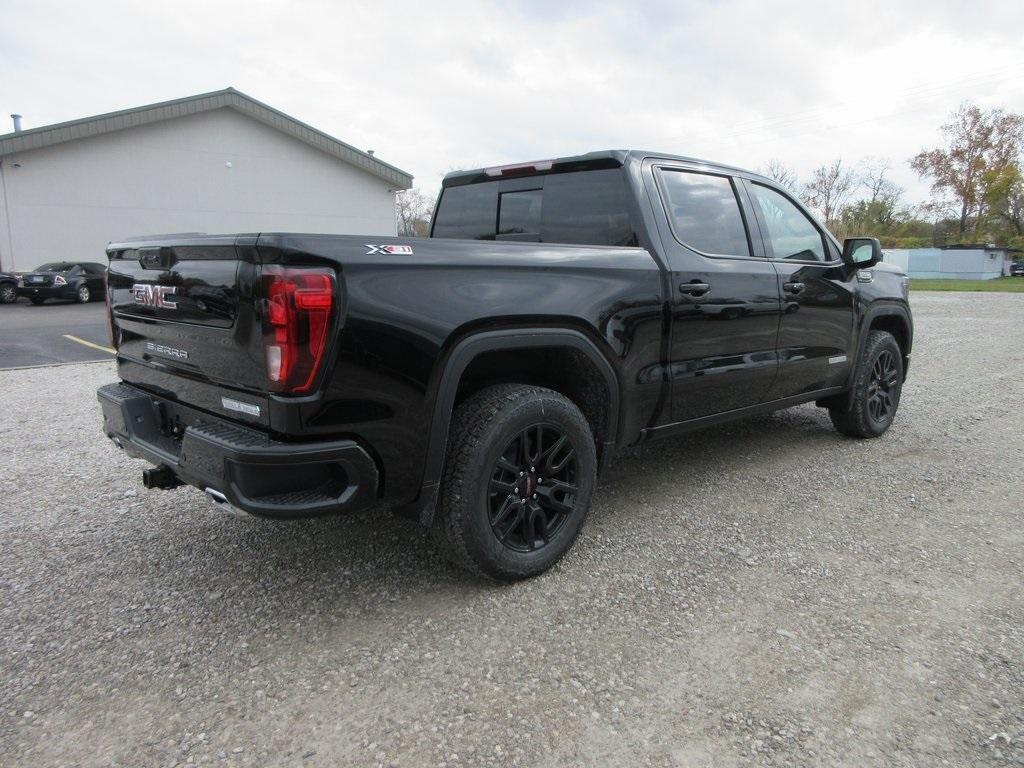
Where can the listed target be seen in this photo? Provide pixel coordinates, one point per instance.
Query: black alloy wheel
(519, 473)
(533, 488)
(882, 388)
(869, 408)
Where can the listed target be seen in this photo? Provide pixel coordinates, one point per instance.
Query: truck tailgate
(185, 323)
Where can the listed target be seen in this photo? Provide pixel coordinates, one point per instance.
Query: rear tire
(877, 386)
(8, 294)
(518, 479)
(37, 302)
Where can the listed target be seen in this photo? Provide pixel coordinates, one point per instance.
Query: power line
(913, 95)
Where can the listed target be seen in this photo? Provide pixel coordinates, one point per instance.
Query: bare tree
(885, 197)
(413, 210)
(828, 189)
(977, 143)
(782, 174)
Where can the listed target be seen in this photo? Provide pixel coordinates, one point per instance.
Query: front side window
(791, 235)
(705, 213)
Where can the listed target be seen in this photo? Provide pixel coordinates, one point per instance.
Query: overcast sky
(437, 86)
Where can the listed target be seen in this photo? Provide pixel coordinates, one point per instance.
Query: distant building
(218, 162)
(954, 262)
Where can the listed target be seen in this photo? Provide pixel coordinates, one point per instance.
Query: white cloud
(433, 87)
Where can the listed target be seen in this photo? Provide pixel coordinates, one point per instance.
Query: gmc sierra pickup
(477, 380)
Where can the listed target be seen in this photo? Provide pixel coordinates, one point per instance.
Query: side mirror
(862, 252)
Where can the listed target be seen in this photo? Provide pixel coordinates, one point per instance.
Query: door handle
(694, 288)
(793, 288)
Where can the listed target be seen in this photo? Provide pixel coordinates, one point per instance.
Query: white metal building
(219, 162)
(954, 262)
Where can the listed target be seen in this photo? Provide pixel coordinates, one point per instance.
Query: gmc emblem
(154, 295)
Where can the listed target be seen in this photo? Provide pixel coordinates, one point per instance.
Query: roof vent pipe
(17, 123)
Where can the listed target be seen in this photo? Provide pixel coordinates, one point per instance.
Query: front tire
(84, 296)
(877, 387)
(520, 471)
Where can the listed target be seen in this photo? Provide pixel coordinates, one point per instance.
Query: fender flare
(874, 311)
(462, 354)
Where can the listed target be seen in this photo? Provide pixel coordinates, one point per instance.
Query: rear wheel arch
(472, 355)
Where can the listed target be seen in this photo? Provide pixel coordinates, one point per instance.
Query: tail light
(59, 280)
(298, 310)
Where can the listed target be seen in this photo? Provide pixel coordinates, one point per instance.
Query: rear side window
(791, 235)
(705, 213)
(581, 208)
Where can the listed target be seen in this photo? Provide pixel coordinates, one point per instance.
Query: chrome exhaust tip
(221, 502)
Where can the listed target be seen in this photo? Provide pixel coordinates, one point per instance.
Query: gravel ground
(766, 593)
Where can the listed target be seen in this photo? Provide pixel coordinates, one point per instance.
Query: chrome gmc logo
(154, 295)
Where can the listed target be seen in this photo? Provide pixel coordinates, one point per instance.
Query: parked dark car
(478, 380)
(80, 281)
(8, 288)
(1017, 269)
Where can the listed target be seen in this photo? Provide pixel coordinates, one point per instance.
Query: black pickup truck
(479, 379)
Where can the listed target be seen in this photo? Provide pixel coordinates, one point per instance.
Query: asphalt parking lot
(55, 332)
(766, 593)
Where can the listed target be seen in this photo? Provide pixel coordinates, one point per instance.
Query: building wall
(69, 200)
(957, 264)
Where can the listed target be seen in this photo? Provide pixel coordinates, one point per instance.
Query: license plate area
(149, 422)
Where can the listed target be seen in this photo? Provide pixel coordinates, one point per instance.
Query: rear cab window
(591, 207)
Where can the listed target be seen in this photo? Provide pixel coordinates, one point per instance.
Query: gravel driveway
(766, 593)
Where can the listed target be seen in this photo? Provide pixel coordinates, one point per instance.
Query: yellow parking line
(90, 344)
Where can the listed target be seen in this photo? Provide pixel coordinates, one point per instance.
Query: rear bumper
(241, 467)
(48, 292)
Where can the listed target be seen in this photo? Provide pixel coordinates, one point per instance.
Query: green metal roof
(47, 135)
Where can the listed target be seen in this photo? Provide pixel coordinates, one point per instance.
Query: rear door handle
(694, 288)
(793, 287)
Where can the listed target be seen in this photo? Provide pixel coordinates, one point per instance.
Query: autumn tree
(413, 210)
(1004, 202)
(979, 144)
